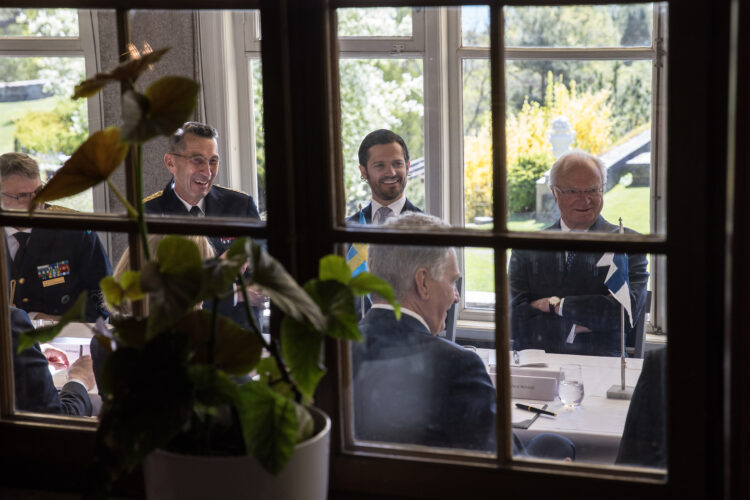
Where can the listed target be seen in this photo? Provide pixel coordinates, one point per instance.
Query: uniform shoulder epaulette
(231, 189)
(58, 208)
(152, 196)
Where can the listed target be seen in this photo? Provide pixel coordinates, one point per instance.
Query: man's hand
(57, 358)
(541, 304)
(581, 329)
(83, 370)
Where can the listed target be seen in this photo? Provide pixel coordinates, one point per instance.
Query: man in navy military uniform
(384, 164)
(49, 268)
(193, 160)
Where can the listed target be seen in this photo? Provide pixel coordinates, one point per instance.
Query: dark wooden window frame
(705, 245)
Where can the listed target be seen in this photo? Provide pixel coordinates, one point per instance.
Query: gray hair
(574, 157)
(177, 139)
(397, 264)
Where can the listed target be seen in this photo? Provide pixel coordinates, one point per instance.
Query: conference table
(596, 425)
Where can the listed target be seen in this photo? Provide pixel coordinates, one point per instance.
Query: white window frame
(83, 46)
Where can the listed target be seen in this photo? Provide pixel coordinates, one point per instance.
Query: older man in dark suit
(411, 386)
(559, 301)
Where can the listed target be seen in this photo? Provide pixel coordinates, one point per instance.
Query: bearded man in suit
(384, 164)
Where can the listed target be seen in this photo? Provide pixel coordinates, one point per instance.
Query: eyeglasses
(199, 160)
(572, 192)
(23, 196)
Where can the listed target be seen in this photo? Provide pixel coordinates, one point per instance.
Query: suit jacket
(220, 202)
(367, 211)
(644, 438)
(536, 274)
(413, 387)
(57, 266)
(34, 388)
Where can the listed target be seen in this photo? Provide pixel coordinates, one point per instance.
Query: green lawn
(630, 203)
(10, 111)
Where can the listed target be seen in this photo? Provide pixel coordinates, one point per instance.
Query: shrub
(522, 177)
(61, 130)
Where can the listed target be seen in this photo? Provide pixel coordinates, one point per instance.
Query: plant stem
(273, 347)
(132, 212)
(139, 196)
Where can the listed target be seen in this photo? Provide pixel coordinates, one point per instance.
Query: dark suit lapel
(368, 213)
(213, 204)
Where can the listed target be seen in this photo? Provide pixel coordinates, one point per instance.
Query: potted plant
(183, 379)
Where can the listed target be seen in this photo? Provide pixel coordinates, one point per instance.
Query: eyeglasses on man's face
(23, 197)
(200, 160)
(573, 192)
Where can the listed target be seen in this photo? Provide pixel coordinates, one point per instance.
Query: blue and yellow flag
(356, 257)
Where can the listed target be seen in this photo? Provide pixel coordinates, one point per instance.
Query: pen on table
(535, 410)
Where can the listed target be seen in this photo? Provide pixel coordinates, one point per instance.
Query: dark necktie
(195, 211)
(23, 240)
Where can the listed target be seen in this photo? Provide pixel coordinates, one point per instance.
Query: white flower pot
(170, 476)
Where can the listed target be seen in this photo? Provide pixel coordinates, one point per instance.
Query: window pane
(585, 330)
(477, 144)
(382, 94)
(15, 22)
(410, 387)
(375, 22)
(40, 119)
(599, 107)
(579, 26)
(475, 26)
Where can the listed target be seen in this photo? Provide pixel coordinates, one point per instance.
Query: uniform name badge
(53, 274)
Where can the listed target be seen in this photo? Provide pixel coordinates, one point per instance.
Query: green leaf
(334, 267)
(236, 351)
(113, 292)
(336, 301)
(127, 71)
(301, 346)
(173, 282)
(130, 331)
(365, 283)
(269, 425)
(162, 109)
(179, 256)
(219, 274)
(129, 287)
(77, 312)
(306, 425)
(91, 163)
(281, 288)
(212, 386)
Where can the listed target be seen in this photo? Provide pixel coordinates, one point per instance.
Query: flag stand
(621, 391)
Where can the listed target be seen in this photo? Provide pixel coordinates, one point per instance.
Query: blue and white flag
(617, 280)
(356, 256)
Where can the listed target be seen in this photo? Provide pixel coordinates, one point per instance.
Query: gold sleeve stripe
(152, 196)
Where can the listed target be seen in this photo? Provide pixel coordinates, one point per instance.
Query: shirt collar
(404, 310)
(396, 206)
(565, 229)
(201, 204)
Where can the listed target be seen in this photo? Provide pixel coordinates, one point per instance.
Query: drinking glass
(571, 385)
